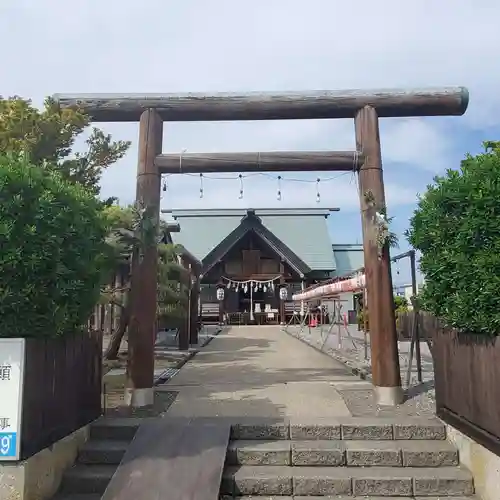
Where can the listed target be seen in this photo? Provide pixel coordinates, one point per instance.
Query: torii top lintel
(444, 101)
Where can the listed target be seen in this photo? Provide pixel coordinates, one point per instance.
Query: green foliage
(380, 233)
(48, 135)
(400, 304)
(131, 230)
(173, 285)
(456, 227)
(53, 251)
(361, 317)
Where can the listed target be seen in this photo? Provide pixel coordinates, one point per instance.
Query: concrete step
(87, 479)
(339, 453)
(119, 429)
(323, 481)
(348, 428)
(107, 451)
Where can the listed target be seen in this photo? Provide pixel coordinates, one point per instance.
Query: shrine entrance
(365, 107)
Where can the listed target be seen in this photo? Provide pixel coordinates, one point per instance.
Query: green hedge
(52, 251)
(456, 227)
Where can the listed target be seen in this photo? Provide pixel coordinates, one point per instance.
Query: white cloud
(416, 142)
(169, 46)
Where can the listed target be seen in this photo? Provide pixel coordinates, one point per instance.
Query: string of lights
(279, 179)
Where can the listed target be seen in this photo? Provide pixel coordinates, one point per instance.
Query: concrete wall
(483, 464)
(39, 477)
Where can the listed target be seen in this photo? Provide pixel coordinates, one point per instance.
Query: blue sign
(8, 444)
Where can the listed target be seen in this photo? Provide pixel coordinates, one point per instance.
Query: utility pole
(383, 338)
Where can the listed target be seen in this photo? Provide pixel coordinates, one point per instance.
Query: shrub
(52, 250)
(456, 227)
(400, 304)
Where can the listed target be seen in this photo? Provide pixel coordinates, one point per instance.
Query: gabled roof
(349, 258)
(250, 223)
(304, 232)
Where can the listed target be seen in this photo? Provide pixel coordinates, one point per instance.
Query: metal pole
(415, 334)
(416, 315)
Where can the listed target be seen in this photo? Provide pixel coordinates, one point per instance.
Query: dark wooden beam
(173, 227)
(270, 105)
(276, 161)
(194, 311)
(383, 338)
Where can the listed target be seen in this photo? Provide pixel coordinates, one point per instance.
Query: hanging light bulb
(241, 187)
(272, 286)
(318, 195)
(278, 194)
(245, 288)
(228, 285)
(201, 185)
(265, 288)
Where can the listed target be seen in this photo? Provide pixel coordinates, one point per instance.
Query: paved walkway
(261, 372)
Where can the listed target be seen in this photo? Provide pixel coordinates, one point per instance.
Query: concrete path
(260, 372)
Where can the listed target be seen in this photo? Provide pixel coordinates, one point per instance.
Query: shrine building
(254, 260)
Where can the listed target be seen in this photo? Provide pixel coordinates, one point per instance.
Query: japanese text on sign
(11, 385)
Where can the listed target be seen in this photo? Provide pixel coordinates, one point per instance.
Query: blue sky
(277, 45)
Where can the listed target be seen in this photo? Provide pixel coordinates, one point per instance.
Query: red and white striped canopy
(349, 285)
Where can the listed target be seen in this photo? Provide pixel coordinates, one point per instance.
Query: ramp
(178, 459)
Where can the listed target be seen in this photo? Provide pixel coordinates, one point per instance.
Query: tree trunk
(117, 337)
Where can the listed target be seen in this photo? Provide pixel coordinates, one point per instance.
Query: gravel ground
(163, 401)
(420, 400)
(361, 403)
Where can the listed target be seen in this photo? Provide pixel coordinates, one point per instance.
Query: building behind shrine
(252, 254)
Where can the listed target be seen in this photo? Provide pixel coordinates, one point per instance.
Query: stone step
(119, 429)
(348, 428)
(369, 428)
(77, 496)
(323, 481)
(107, 451)
(341, 497)
(87, 479)
(339, 453)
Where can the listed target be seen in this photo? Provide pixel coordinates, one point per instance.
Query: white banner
(11, 397)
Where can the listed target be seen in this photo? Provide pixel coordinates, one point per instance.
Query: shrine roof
(303, 231)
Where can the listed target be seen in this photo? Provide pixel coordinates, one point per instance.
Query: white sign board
(11, 397)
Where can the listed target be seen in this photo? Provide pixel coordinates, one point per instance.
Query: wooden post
(221, 311)
(383, 339)
(194, 323)
(185, 324)
(142, 329)
(184, 334)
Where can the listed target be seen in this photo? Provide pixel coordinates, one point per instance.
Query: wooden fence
(62, 388)
(467, 378)
(427, 325)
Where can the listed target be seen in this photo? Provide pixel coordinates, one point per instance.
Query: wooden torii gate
(365, 107)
